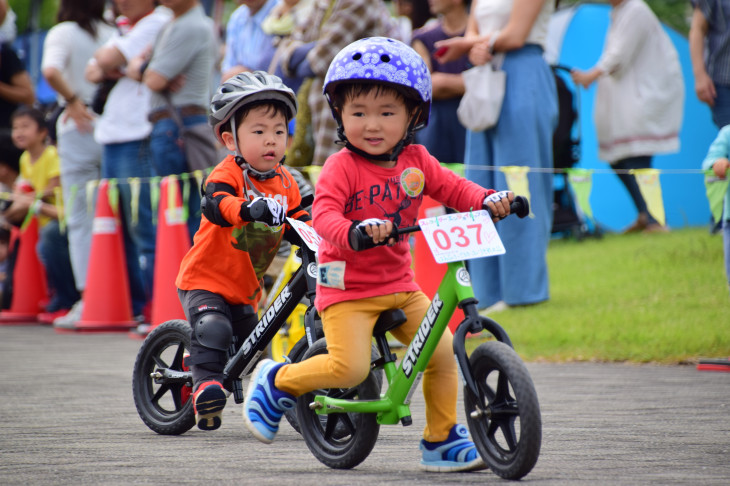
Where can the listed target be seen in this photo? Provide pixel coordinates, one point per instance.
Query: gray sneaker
(71, 318)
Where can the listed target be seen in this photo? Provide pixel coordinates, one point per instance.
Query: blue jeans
(523, 136)
(444, 137)
(629, 180)
(721, 109)
(121, 161)
(52, 251)
(168, 157)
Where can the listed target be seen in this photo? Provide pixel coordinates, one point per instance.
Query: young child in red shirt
(380, 93)
(246, 201)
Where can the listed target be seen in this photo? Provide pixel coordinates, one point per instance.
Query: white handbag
(483, 94)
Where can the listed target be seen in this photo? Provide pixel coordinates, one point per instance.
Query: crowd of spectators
(129, 74)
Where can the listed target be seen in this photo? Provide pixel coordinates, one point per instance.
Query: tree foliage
(675, 13)
(23, 9)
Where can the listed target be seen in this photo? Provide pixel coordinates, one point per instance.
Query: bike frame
(302, 283)
(393, 406)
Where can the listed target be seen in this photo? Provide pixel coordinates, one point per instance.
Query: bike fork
(236, 383)
(473, 323)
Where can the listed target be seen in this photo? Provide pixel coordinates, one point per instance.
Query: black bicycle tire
(507, 460)
(295, 355)
(340, 452)
(163, 421)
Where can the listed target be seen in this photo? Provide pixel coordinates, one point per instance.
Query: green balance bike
(341, 426)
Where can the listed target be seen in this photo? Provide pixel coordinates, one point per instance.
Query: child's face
(26, 132)
(375, 122)
(262, 137)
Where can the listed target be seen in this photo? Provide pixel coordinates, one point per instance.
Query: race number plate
(309, 236)
(461, 236)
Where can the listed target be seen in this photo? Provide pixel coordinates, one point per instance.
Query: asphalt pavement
(68, 417)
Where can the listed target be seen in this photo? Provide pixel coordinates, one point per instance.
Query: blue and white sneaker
(265, 404)
(456, 453)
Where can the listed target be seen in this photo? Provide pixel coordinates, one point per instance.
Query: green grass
(640, 298)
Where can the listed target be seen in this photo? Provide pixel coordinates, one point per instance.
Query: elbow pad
(210, 204)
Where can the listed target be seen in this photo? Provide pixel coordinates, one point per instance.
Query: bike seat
(389, 320)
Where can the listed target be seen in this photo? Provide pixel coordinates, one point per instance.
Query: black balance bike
(162, 383)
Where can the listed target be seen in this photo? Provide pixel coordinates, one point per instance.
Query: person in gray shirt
(178, 72)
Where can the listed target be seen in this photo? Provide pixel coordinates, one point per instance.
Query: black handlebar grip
(520, 206)
(359, 239)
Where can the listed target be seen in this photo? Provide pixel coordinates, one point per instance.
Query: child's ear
(228, 141)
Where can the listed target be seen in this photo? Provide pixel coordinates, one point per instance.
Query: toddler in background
(717, 160)
(38, 190)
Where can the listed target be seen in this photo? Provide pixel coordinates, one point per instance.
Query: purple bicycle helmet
(382, 60)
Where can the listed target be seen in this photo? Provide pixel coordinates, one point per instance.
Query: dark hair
(9, 153)
(349, 90)
(33, 113)
(273, 108)
(420, 14)
(4, 235)
(86, 13)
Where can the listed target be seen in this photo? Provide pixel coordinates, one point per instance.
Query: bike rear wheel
(506, 428)
(289, 335)
(295, 355)
(165, 408)
(339, 440)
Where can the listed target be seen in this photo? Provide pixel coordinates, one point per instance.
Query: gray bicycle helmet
(241, 90)
(245, 88)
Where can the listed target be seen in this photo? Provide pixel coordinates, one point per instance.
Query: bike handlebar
(359, 239)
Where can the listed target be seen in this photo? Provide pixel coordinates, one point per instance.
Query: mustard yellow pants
(348, 328)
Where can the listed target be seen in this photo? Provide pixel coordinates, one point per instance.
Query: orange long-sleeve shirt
(230, 261)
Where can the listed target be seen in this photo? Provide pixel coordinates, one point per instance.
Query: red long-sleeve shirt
(350, 188)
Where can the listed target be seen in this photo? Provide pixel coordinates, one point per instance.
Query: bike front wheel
(165, 408)
(339, 440)
(505, 424)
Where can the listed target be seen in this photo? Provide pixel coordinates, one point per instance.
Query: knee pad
(213, 330)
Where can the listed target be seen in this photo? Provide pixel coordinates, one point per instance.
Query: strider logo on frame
(424, 330)
(312, 270)
(265, 321)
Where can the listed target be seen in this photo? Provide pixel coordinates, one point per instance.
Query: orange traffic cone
(29, 280)
(428, 273)
(107, 301)
(173, 242)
